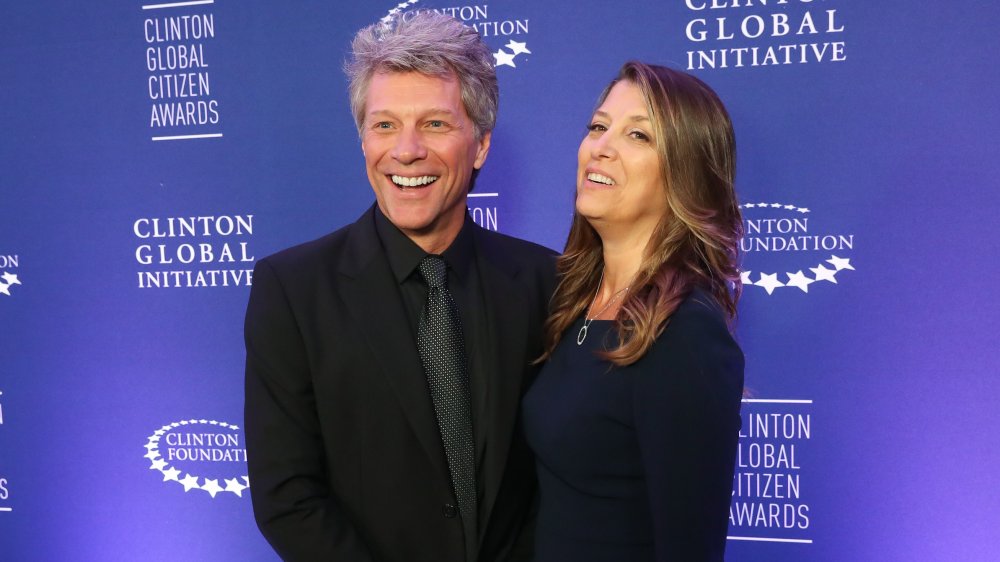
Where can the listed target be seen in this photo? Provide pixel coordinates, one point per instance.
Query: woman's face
(618, 177)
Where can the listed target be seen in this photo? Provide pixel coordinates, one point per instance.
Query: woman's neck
(623, 252)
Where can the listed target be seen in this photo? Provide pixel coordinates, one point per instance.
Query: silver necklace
(582, 335)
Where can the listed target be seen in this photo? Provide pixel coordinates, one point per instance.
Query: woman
(635, 415)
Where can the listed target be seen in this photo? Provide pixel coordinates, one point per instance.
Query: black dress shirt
(463, 282)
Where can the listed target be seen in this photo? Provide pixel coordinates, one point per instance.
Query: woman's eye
(596, 128)
(639, 135)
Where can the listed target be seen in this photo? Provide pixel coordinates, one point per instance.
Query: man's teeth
(600, 179)
(413, 182)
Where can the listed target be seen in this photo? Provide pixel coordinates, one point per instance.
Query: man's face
(420, 150)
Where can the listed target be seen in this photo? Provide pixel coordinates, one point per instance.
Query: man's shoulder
(533, 265)
(318, 261)
(313, 252)
(507, 245)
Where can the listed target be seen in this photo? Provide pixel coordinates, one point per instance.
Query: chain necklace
(582, 335)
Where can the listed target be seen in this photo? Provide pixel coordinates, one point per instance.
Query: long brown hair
(695, 244)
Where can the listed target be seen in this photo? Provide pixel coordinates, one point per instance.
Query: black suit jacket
(344, 453)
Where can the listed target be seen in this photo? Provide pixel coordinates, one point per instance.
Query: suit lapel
(506, 316)
(369, 290)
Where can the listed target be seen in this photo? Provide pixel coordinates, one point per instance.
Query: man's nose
(409, 147)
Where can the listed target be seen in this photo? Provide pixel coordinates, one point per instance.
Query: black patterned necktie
(442, 351)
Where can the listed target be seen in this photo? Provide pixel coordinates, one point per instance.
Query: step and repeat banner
(151, 153)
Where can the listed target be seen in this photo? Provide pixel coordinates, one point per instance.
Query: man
(386, 361)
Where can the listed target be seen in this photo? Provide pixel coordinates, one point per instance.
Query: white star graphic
(799, 280)
(158, 464)
(504, 58)
(152, 445)
(151, 455)
(171, 474)
(518, 48)
(789, 207)
(749, 205)
(202, 421)
(841, 263)
(776, 205)
(824, 274)
(762, 204)
(394, 11)
(233, 427)
(211, 486)
(189, 482)
(745, 277)
(10, 278)
(246, 479)
(386, 19)
(3, 289)
(159, 432)
(769, 281)
(803, 210)
(234, 486)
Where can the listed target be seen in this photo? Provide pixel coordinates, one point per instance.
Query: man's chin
(420, 223)
(428, 225)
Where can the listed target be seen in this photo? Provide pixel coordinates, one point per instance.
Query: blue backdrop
(151, 152)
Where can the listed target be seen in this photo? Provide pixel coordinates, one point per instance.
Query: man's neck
(439, 236)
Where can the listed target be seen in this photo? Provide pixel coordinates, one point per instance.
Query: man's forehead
(413, 91)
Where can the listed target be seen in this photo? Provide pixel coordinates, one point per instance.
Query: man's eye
(382, 125)
(436, 123)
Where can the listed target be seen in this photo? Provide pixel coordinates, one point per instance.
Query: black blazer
(344, 453)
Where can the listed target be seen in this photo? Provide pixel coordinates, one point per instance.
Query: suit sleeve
(292, 503)
(687, 421)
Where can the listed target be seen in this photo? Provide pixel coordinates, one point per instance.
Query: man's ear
(482, 150)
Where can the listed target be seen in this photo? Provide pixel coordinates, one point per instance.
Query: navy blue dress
(636, 463)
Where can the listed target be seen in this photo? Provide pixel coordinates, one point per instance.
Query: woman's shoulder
(699, 312)
(696, 355)
(698, 334)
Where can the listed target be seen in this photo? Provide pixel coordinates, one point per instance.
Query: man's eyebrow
(439, 111)
(431, 111)
(379, 112)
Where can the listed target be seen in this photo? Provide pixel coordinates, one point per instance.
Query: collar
(405, 255)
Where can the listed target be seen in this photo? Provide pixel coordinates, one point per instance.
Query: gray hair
(429, 43)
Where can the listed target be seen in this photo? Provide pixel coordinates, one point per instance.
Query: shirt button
(449, 511)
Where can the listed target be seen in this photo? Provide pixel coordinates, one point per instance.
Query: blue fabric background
(894, 147)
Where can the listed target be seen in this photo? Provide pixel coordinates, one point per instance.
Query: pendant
(582, 335)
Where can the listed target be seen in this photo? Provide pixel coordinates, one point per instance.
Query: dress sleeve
(292, 503)
(686, 407)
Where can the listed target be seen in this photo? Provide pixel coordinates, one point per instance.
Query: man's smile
(415, 181)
